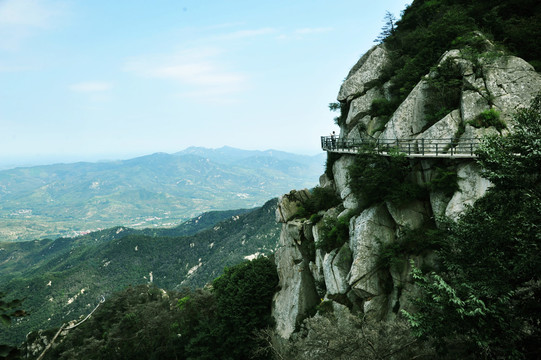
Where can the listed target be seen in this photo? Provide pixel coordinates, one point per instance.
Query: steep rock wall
(350, 275)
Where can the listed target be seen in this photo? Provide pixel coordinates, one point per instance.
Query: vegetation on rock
(320, 199)
(486, 296)
(429, 28)
(374, 178)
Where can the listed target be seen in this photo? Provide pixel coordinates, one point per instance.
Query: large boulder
(409, 118)
(341, 180)
(288, 204)
(444, 129)
(297, 289)
(471, 132)
(473, 102)
(368, 232)
(511, 83)
(472, 187)
(411, 215)
(336, 265)
(368, 69)
(361, 106)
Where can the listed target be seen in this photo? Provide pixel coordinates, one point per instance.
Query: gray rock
(511, 82)
(471, 132)
(376, 308)
(288, 204)
(336, 265)
(444, 129)
(325, 182)
(438, 202)
(294, 230)
(368, 232)
(317, 266)
(297, 289)
(411, 215)
(472, 103)
(340, 172)
(472, 187)
(409, 118)
(368, 69)
(361, 106)
(376, 124)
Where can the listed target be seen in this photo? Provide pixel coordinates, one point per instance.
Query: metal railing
(465, 148)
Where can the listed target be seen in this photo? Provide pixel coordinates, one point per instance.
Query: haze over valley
(158, 190)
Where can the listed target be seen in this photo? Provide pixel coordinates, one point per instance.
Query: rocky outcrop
(472, 187)
(409, 119)
(288, 205)
(369, 231)
(353, 274)
(297, 287)
(336, 266)
(367, 70)
(341, 181)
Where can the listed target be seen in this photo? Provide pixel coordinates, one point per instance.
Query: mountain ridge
(159, 189)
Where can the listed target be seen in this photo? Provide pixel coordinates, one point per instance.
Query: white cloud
(91, 86)
(19, 19)
(199, 70)
(32, 13)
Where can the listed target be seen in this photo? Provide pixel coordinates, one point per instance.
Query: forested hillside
(63, 278)
(144, 322)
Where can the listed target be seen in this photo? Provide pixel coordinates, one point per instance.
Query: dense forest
(144, 322)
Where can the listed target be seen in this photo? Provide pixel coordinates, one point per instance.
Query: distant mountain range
(63, 279)
(155, 190)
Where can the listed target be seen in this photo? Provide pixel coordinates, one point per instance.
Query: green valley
(63, 279)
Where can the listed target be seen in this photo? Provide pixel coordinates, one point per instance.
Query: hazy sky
(106, 79)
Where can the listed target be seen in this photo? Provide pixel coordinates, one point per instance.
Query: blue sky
(103, 79)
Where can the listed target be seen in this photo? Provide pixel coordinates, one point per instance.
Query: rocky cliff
(469, 86)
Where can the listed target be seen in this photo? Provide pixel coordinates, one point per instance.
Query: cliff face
(468, 85)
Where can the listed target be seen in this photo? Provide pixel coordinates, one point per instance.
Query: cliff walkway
(413, 148)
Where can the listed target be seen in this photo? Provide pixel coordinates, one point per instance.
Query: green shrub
(343, 107)
(321, 199)
(488, 118)
(325, 307)
(315, 218)
(383, 108)
(182, 302)
(374, 178)
(445, 181)
(409, 243)
(335, 233)
(244, 300)
(444, 91)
